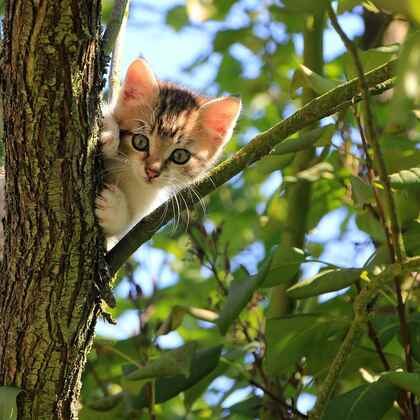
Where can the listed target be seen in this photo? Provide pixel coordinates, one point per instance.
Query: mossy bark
(48, 304)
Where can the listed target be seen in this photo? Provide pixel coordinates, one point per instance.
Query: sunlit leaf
(405, 178)
(370, 59)
(307, 139)
(324, 282)
(305, 77)
(314, 173)
(199, 10)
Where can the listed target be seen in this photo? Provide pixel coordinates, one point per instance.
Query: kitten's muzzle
(152, 173)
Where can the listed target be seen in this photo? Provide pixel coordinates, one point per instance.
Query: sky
(168, 52)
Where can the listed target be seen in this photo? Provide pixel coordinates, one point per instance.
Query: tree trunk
(48, 304)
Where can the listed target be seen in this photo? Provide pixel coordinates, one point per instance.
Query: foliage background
(172, 289)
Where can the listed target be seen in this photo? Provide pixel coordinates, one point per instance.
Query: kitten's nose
(152, 173)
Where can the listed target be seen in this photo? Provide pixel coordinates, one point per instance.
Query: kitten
(156, 139)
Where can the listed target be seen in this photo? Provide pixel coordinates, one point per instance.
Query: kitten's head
(170, 136)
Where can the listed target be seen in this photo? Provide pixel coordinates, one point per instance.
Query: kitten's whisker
(200, 199)
(178, 216)
(187, 210)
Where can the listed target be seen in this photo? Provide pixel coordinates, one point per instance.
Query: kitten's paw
(112, 211)
(110, 136)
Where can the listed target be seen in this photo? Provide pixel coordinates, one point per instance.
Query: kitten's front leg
(112, 211)
(110, 135)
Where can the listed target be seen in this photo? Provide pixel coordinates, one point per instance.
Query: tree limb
(114, 77)
(113, 27)
(260, 146)
(373, 285)
(392, 226)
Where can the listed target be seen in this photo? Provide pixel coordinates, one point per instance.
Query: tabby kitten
(156, 139)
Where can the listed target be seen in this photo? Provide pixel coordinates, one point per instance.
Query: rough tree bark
(48, 306)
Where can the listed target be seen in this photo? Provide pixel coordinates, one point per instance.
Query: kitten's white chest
(142, 197)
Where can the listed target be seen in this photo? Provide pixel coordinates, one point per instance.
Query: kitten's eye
(140, 142)
(180, 156)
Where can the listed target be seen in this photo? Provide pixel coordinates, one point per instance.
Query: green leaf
(240, 293)
(404, 380)
(347, 5)
(405, 178)
(324, 282)
(305, 77)
(291, 337)
(314, 173)
(8, 408)
(191, 395)
(370, 59)
(173, 321)
(371, 225)
(106, 403)
(303, 6)
(203, 363)
(106, 11)
(414, 330)
(410, 8)
(177, 17)
(366, 402)
(224, 39)
(281, 266)
(306, 140)
(171, 363)
(362, 192)
(248, 408)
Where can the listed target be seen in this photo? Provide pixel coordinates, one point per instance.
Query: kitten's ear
(219, 116)
(140, 84)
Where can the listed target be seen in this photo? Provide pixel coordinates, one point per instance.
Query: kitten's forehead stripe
(173, 111)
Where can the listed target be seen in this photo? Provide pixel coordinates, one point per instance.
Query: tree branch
(393, 224)
(360, 317)
(113, 27)
(392, 227)
(114, 77)
(327, 104)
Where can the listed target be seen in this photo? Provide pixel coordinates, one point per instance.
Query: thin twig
(113, 27)
(393, 224)
(393, 232)
(372, 287)
(394, 236)
(356, 328)
(114, 77)
(278, 400)
(260, 146)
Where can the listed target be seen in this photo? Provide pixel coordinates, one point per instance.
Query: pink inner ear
(140, 83)
(220, 115)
